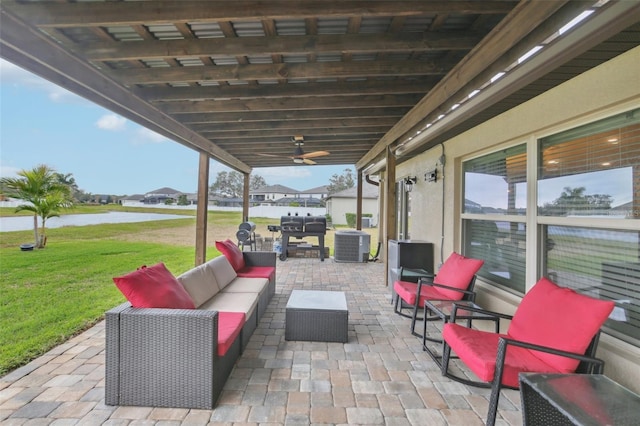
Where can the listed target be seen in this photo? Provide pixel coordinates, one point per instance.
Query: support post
(202, 209)
(359, 202)
(390, 203)
(245, 196)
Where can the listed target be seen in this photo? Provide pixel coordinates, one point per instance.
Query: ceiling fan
(299, 156)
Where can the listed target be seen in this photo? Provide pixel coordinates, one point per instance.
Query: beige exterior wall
(339, 207)
(611, 88)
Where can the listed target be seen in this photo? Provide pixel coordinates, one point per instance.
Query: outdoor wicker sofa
(181, 358)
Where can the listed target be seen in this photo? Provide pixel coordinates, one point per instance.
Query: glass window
(601, 263)
(593, 170)
(502, 247)
(496, 183)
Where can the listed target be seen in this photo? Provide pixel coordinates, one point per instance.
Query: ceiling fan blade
(307, 161)
(268, 155)
(315, 154)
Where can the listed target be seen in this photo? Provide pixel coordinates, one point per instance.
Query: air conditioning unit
(351, 246)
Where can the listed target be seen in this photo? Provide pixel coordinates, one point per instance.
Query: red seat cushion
(457, 271)
(478, 350)
(408, 292)
(229, 327)
(232, 252)
(154, 287)
(257, 272)
(558, 317)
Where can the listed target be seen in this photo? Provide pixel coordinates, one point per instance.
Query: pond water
(25, 223)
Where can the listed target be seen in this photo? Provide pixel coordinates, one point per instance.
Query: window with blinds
(593, 170)
(495, 203)
(602, 263)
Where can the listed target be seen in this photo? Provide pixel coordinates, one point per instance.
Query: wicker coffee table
(317, 316)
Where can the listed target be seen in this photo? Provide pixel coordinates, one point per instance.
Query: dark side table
(576, 399)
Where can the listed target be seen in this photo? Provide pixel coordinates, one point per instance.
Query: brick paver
(381, 376)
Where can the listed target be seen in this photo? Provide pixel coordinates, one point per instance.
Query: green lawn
(49, 295)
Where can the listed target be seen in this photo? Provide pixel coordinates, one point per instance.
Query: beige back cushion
(200, 283)
(222, 270)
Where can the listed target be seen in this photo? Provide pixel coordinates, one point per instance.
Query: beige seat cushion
(222, 270)
(200, 283)
(233, 302)
(247, 285)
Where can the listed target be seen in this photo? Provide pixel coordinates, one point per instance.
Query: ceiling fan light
(298, 160)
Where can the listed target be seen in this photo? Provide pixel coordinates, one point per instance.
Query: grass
(49, 295)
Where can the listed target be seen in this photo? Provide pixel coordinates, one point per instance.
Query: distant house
(270, 193)
(162, 195)
(299, 202)
(343, 202)
(320, 192)
(225, 201)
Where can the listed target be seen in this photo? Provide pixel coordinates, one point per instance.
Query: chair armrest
(596, 363)
(259, 258)
(429, 282)
(494, 315)
(151, 353)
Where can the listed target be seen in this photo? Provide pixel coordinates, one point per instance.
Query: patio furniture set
(176, 340)
(553, 333)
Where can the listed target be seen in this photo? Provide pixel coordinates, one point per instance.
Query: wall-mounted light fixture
(409, 182)
(431, 176)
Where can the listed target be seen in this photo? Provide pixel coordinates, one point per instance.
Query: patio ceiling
(239, 79)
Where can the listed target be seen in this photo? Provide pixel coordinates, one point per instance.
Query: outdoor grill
(246, 235)
(302, 227)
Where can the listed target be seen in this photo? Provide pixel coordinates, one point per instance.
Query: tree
(182, 200)
(341, 182)
(574, 200)
(45, 196)
(231, 184)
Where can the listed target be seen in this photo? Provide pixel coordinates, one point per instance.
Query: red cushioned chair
(454, 281)
(554, 330)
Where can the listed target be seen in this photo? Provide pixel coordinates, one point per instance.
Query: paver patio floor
(380, 377)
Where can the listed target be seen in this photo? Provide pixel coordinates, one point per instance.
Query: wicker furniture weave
(318, 316)
(165, 358)
(169, 357)
(576, 399)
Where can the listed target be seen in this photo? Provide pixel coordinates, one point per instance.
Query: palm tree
(44, 194)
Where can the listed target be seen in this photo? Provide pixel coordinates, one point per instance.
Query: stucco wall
(338, 207)
(611, 88)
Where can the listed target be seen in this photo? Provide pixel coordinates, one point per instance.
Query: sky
(41, 123)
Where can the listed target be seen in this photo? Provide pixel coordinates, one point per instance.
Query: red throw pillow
(232, 252)
(457, 271)
(154, 287)
(558, 317)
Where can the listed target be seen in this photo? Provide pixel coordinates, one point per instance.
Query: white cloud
(282, 174)
(144, 135)
(8, 171)
(16, 76)
(111, 122)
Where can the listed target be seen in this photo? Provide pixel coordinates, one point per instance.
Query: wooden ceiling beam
(523, 19)
(279, 45)
(257, 116)
(293, 124)
(310, 70)
(286, 104)
(34, 51)
(52, 14)
(287, 133)
(291, 90)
